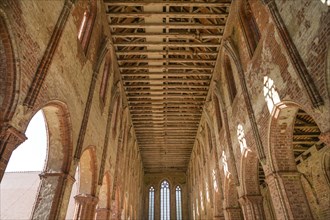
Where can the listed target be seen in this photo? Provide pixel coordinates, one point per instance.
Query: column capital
(11, 135)
(57, 174)
(86, 198)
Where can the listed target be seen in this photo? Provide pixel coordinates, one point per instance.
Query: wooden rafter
(166, 53)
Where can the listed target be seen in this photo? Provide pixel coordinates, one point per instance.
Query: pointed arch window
(86, 26)
(217, 112)
(249, 25)
(165, 201)
(230, 79)
(326, 2)
(178, 203)
(105, 78)
(151, 203)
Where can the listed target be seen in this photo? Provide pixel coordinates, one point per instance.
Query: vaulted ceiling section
(166, 52)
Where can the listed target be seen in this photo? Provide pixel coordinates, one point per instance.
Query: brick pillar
(252, 207)
(85, 206)
(288, 195)
(49, 200)
(233, 213)
(102, 213)
(10, 138)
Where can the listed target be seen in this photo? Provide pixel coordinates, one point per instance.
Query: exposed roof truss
(166, 52)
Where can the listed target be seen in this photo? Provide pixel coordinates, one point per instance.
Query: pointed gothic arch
(9, 71)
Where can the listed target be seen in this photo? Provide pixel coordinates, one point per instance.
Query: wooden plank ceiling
(166, 52)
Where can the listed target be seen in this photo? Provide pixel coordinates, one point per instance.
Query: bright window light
(31, 154)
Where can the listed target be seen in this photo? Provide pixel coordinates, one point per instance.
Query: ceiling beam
(169, 60)
(167, 91)
(172, 73)
(166, 44)
(165, 52)
(167, 101)
(110, 3)
(183, 80)
(165, 15)
(178, 25)
(186, 86)
(174, 35)
(165, 67)
(130, 97)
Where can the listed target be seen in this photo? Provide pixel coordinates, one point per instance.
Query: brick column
(288, 195)
(85, 206)
(50, 195)
(10, 138)
(252, 207)
(102, 213)
(233, 213)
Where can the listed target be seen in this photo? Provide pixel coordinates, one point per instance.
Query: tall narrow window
(178, 203)
(217, 112)
(165, 201)
(326, 2)
(151, 203)
(105, 79)
(249, 25)
(230, 79)
(86, 26)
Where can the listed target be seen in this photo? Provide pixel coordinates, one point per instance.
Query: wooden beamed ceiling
(166, 53)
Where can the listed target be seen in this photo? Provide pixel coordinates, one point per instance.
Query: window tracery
(271, 95)
(165, 201)
(178, 203)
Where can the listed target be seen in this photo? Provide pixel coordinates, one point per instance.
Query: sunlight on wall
(207, 192)
(31, 154)
(241, 140)
(215, 184)
(202, 200)
(197, 210)
(225, 164)
(327, 2)
(194, 214)
(270, 93)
